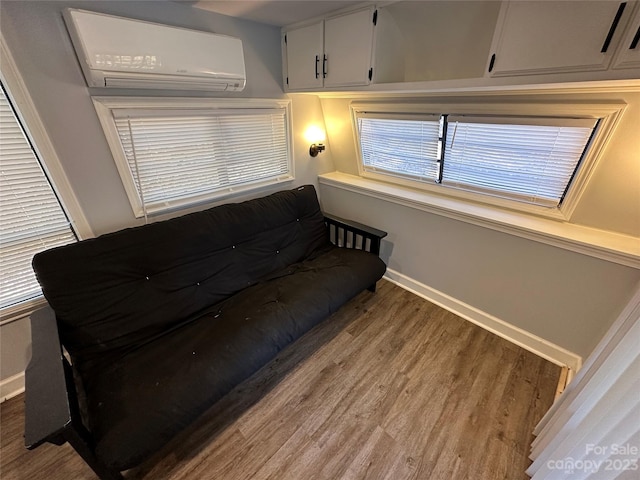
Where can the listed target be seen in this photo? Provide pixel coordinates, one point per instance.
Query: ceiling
(273, 12)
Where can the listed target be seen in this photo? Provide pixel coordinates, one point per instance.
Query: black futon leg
(79, 441)
(372, 288)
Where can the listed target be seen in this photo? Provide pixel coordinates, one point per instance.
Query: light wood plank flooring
(391, 387)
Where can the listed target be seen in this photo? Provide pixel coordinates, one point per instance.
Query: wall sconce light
(315, 135)
(315, 149)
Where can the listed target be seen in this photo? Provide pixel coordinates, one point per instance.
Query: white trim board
(515, 335)
(42, 144)
(11, 387)
(611, 246)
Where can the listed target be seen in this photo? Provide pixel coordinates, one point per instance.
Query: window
(520, 158)
(531, 157)
(31, 217)
(525, 159)
(177, 152)
(404, 145)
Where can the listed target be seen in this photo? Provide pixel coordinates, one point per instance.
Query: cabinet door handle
(634, 42)
(492, 62)
(614, 25)
(317, 60)
(324, 66)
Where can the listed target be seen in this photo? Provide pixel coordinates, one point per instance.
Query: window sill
(21, 310)
(610, 246)
(162, 208)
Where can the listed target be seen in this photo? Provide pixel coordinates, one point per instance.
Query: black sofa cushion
(145, 397)
(163, 320)
(114, 292)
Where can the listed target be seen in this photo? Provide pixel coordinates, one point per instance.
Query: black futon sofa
(161, 321)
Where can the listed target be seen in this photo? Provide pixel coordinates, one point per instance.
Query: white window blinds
(180, 156)
(31, 217)
(406, 146)
(529, 160)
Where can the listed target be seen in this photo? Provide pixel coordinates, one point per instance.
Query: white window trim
(610, 113)
(105, 105)
(50, 163)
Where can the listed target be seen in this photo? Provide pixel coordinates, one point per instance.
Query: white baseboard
(518, 336)
(11, 386)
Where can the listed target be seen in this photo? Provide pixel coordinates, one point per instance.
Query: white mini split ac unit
(123, 53)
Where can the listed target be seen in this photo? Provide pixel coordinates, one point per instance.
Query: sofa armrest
(350, 234)
(47, 410)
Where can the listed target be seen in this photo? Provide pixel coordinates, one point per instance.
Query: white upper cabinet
(539, 37)
(334, 52)
(628, 55)
(419, 41)
(304, 47)
(441, 44)
(348, 40)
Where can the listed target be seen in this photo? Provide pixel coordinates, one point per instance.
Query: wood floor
(391, 387)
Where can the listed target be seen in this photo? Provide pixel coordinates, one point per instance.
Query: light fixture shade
(314, 134)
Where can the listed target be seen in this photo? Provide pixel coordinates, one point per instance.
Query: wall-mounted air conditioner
(123, 53)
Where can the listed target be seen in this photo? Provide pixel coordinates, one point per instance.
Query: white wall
(15, 352)
(565, 298)
(37, 38)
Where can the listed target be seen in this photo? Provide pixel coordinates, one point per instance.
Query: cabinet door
(628, 55)
(553, 37)
(304, 57)
(348, 40)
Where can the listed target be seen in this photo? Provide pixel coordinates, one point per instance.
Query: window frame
(608, 113)
(28, 116)
(106, 105)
